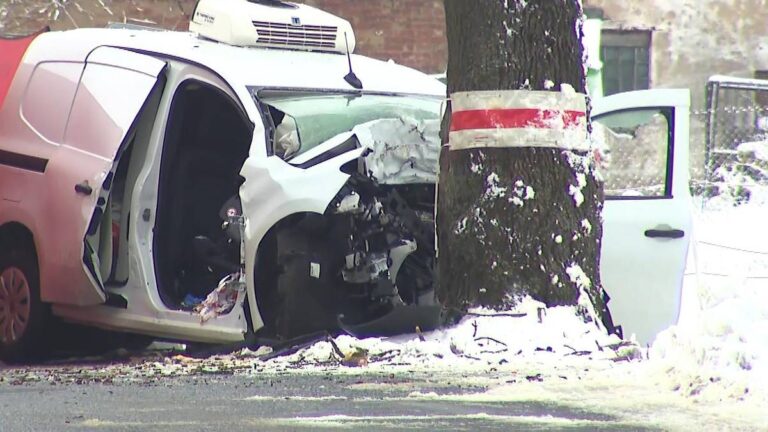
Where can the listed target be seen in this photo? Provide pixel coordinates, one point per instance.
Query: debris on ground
(481, 341)
(357, 357)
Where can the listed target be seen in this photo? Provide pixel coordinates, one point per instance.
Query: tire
(23, 316)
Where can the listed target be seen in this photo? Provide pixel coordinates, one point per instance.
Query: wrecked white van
(252, 173)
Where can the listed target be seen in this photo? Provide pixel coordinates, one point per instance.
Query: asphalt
(280, 402)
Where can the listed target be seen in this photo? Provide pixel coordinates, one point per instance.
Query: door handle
(665, 233)
(84, 188)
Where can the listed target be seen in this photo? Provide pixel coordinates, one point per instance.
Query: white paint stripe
(570, 139)
(341, 419)
(297, 398)
(500, 99)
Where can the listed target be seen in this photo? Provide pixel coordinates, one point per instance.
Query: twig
(495, 352)
(577, 352)
(336, 348)
(420, 334)
(615, 346)
(386, 355)
(470, 357)
(490, 339)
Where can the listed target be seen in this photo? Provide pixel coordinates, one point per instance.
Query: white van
(256, 159)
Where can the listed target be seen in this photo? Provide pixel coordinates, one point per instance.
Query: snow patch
(493, 190)
(719, 348)
(576, 190)
(759, 149)
(567, 89)
(461, 226)
(586, 226)
(521, 193)
(475, 168)
(578, 276)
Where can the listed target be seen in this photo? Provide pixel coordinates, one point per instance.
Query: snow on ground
(709, 372)
(719, 349)
(712, 366)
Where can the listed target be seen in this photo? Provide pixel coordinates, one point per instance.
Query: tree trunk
(511, 221)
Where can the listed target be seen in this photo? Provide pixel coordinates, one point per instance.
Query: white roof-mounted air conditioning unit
(271, 24)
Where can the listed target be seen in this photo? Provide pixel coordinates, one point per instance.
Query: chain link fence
(734, 131)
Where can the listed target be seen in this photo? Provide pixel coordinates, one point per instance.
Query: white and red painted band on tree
(518, 118)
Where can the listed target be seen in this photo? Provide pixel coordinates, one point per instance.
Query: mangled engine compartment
(368, 261)
(389, 256)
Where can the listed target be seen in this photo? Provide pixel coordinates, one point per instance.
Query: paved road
(273, 402)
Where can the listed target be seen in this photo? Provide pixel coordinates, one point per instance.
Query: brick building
(645, 44)
(410, 32)
(654, 43)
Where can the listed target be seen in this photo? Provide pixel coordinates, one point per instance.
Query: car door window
(634, 149)
(102, 111)
(49, 96)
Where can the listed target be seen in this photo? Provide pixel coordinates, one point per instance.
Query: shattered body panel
(337, 229)
(403, 150)
(373, 204)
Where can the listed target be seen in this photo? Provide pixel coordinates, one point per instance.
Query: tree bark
(493, 250)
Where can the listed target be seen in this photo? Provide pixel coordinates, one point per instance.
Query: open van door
(647, 219)
(113, 89)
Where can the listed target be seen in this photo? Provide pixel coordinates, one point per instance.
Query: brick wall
(410, 32)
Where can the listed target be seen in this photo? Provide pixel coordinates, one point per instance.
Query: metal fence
(734, 129)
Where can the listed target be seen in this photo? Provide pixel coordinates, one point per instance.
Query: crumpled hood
(403, 150)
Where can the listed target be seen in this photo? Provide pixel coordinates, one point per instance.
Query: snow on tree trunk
(517, 221)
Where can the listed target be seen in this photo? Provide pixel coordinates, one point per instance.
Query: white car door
(647, 219)
(113, 88)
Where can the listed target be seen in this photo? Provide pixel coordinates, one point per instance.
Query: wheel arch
(22, 250)
(264, 255)
(18, 232)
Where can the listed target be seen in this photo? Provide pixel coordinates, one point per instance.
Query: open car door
(647, 219)
(113, 89)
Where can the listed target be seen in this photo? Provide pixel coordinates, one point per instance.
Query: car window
(101, 112)
(49, 96)
(633, 152)
(305, 120)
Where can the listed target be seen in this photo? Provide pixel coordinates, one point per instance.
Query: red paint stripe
(514, 118)
(11, 53)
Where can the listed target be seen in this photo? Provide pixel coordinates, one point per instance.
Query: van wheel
(22, 315)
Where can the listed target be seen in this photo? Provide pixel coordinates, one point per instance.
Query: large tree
(517, 220)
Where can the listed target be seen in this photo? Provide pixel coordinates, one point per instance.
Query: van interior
(207, 140)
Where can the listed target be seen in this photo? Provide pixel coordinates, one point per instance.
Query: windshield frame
(256, 93)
